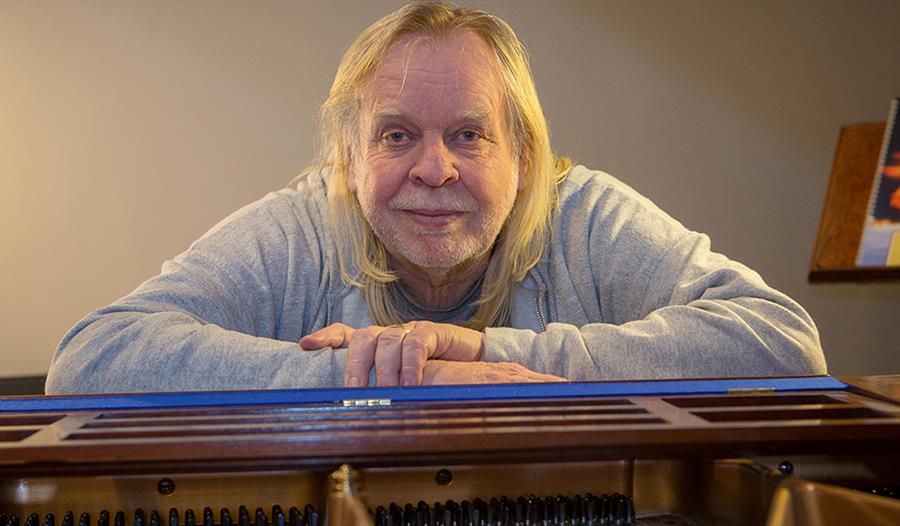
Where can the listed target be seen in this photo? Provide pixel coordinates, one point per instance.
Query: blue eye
(396, 137)
(469, 135)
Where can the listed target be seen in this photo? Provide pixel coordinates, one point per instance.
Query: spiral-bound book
(880, 244)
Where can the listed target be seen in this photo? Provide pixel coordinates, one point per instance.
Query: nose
(434, 165)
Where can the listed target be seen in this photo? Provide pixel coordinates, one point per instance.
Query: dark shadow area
(22, 385)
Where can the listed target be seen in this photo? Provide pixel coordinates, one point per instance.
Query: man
(440, 241)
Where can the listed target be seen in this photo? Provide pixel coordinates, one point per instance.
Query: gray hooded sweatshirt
(623, 291)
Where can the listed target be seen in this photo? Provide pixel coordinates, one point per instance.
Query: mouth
(433, 218)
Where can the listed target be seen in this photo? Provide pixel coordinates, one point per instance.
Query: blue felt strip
(411, 394)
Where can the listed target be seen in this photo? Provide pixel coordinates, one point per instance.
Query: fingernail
(407, 382)
(353, 382)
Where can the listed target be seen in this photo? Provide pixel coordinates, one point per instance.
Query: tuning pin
(423, 513)
(465, 513)
(409, 515)
(311, 515)
(378, 517)
(277, 516)
(531, 519)
(622, 513)
(438, 514)
(568, 510)
(607, 509)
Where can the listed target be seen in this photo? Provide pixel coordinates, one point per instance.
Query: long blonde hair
(364, 261)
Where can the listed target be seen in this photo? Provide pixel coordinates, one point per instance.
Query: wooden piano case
(776, 452)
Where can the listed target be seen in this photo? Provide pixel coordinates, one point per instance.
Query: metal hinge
(372, 402)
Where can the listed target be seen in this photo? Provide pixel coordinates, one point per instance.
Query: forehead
(433, 77)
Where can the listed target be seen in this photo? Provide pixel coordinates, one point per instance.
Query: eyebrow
(391, 114)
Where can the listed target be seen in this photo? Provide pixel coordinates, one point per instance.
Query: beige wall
(128, 129)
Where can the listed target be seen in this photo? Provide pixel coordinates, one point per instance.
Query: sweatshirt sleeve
(224, 315)
(645, 297)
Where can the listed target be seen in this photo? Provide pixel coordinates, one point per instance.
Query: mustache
(433, 200)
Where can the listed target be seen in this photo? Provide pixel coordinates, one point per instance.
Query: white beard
(428, 249)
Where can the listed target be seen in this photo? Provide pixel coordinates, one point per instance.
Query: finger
(417, 347)
(518, 373)
(545, 378)
(511, 373)
(361, 356)
(388, 355)
(453, 342)
(336, 335)
(441, 372)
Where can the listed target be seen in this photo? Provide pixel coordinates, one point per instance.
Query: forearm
(708, 338)
(225, 314)
(171, 351)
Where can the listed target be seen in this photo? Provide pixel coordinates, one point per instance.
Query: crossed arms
(625, 298)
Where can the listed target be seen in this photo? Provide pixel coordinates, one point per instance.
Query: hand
(399, 352)
(442, 372)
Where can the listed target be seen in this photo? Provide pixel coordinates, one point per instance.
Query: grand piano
(754, 451)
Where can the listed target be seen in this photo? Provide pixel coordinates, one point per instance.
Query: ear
(523, 170)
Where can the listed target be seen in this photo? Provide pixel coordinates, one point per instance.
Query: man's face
(435, 173)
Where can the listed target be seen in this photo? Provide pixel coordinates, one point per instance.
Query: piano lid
(455, 424)
(374, 396)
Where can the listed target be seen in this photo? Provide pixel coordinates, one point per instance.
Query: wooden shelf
(844, 212)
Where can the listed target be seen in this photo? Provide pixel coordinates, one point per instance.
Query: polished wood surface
(884, 385)
(844, 211)
(686, 459)
(480, 431)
